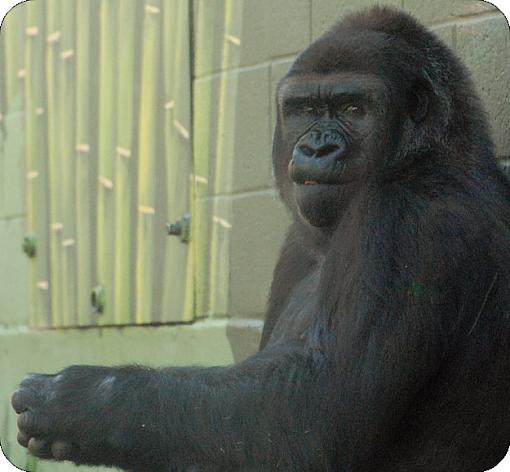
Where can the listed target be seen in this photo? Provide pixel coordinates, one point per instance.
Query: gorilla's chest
(300, 310)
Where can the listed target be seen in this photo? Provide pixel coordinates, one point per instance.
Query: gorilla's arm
(270, 410)
(283, 407)
(149, 419)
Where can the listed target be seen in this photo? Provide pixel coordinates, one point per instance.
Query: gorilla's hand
(86, 415)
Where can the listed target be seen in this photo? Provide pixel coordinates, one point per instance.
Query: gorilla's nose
(322, 143)
(315, 156)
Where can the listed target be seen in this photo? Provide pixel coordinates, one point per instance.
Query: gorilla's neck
(319, 240)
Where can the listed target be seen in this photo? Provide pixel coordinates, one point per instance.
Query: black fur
(387, 340)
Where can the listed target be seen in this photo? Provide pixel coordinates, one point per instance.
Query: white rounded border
(6, 5)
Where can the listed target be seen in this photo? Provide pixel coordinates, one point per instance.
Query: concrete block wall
(242, 49)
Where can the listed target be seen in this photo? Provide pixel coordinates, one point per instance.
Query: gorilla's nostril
(327, 150)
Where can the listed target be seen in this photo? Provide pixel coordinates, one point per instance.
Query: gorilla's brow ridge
(297, 90)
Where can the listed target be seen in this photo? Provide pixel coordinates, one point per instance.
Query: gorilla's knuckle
(32, 423)
(39, 447)
(19, 401)
(22, 439)
(25, 421)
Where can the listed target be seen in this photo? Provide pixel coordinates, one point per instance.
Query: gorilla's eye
(353, 109)
(310, 109)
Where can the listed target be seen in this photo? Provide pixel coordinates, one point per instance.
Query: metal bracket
(181, 228)
(29, 245)
(98, 298)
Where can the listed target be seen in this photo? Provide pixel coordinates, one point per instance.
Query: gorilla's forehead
(330, 84)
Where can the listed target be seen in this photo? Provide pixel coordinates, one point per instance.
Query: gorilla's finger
(23, 439)
(32, 423)
(23, 399)
(40, 448)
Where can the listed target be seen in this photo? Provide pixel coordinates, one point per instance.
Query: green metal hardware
(29, 245)
(181, 228)
(98, 298)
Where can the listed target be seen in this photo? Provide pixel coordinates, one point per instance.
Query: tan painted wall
(241, 49)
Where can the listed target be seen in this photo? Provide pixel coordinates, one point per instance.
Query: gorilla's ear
(419, 99)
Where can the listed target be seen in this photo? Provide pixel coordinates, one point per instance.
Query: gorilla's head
(366, 103)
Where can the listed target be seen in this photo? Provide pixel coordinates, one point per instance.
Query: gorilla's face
(331, 125)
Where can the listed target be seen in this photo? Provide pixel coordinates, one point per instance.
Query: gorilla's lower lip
(319, 188)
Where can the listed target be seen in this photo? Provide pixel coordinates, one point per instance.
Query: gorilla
(387, 340)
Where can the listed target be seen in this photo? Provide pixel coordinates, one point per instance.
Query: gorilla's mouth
(316, 183)
(316, 173)
(325, 174)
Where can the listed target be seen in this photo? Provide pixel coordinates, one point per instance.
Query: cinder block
(233, 131)
(259, 224)
(244, 337)
(472, 7)
(13, 273)
(278, 71)
(484, 45)
(237, 33)
(252, 135)
(325, 13)
(446, 34)
(274, 29)
(436, 11)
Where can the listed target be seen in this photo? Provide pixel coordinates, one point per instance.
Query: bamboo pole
(149, 100)
(85, 155)
(201, 232)
(106, 157)
(200, 235)
(178, 286)
(35, 150)
(53, 36)
(67, 120)
(126, 164)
